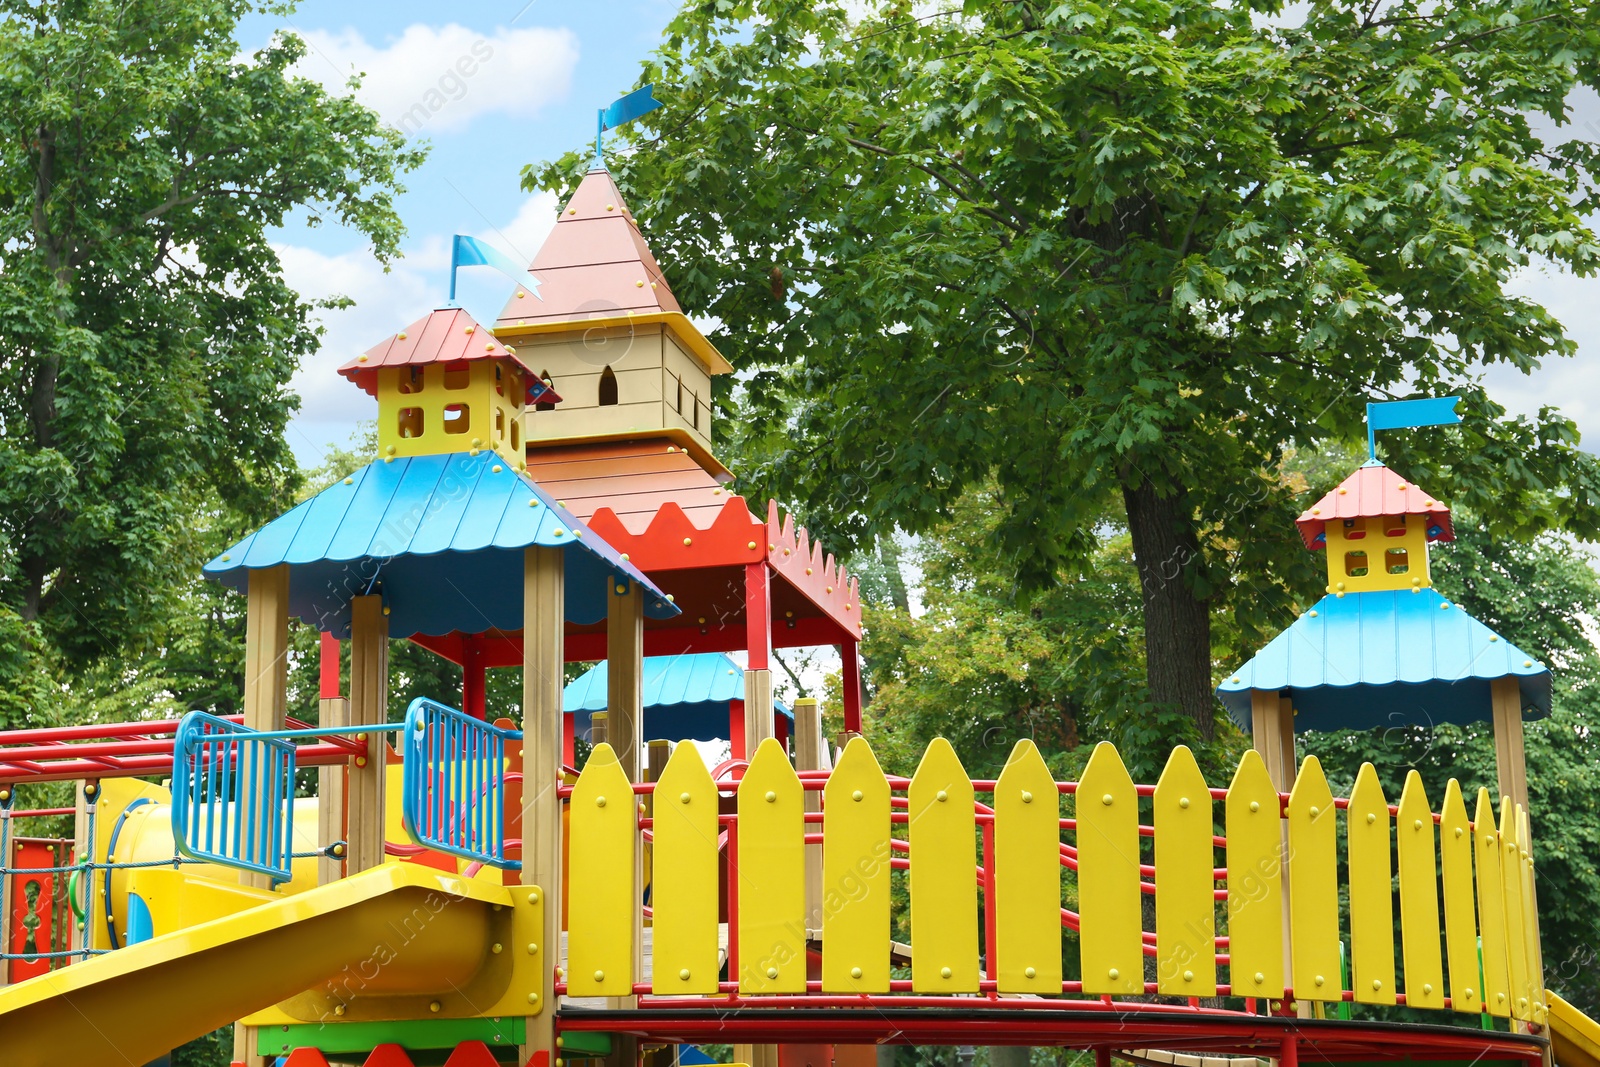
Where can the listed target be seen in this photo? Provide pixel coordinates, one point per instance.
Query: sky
(492, 85)
(496, 84)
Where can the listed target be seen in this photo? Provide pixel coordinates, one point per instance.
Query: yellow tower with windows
(445, 384)
(1376, 526)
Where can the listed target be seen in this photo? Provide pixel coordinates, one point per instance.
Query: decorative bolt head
(1338, 585)
(945, 972)
(1188, 976)
(638, 285)
(389, 451)
(1427, 988)
(751, 546)
(857, 796)
(855, 972)
(338, 1009)
(1458, 831)
(1371, 818)
(1114, 974)
(683, 975)
(599, 802)
(622, 590)
(1028, 972)
(683, 798)
(1260, 978)
(941, 796)
(1255, 805)
(1313, 614)
(772, 798)
(1416, 824)
(1107, 799)
(533, 948)
(599, 976)
(361, 761)
(1527, 663)
(533, 998)
(497, 948)
(772, 972)
(533, 897)
(433, 1006)
(1315, 811)
(808, 570)
(1377, 983)
(1027, 797)
(1317, 980)
(688, 541)
(496, 469)
(1467, 992)
(1183, 802)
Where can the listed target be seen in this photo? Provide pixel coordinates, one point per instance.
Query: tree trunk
(1177, 624)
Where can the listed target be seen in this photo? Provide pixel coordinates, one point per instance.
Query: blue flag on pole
(1403, 414)
(624, 109)
(471, 252)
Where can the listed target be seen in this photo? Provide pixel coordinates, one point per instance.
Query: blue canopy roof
(685, 697)
(441, 537)
(1385, 659)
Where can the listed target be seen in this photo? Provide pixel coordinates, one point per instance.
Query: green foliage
(1083, 252)
(147, 334)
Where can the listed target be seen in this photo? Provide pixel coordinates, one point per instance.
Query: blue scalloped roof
(685, 697)
(441, 537)
(1385, 659)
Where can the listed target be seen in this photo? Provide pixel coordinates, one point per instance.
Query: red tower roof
(446, 335)
(1369, 492)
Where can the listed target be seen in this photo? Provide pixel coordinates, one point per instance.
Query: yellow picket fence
(1217, 931)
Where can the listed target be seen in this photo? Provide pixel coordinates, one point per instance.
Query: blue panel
(681, 682)
(453, 783)
(324, 515)
(440, 525)
(140, 925)
(361, 521)
(1382, 659)
(273, 540)
(233, 796)
(490, 500)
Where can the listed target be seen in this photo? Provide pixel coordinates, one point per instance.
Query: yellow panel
(1313, 886)
(772, 875)
(684, 894)
(1419, 897)
(1516, 927)
(1371, 891)
(1109, 906)
(1460, 920)
(1376, 544)
(1027, 866)
(1491, 910)
(1539, 1008)
(602, 916)
(1186, 912)
(1255, 881)
(855, 874)
(944, 891)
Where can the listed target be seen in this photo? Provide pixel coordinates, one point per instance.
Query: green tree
(147, 334)
(1115, 256)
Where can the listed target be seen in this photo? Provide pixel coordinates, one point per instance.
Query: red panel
(805, 1056)
(801, 561)
(471, 1054)
(306, 1057)
(36, 922)
(757, 616)
(850, 682)
(389, 1056)
(328, 667)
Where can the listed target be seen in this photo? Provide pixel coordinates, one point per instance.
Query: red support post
(328, 673)
(474, 697)
(990, 967)
(850, 682)
(1289, 1052)
(736, 747)
(758, 616)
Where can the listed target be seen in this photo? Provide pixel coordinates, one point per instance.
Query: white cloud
(1572, 385)
(439, 78)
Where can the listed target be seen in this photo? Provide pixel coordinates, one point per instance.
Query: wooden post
(332, 710)
(1272, 735)
(369, 704)
(543, 658)
(625, 672)
(758, 643)
(1506, 697)
(808, 757)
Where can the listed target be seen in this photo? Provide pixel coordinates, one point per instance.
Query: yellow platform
(398, 933)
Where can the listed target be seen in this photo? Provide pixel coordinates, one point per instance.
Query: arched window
(608, 388)
(545, 405)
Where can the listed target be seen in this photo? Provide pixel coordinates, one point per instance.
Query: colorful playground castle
(448, 889)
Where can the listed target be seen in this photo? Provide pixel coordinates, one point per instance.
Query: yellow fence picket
(944, 889)
(1371, 891)
(1419, 897)
(602, 919)
(1460, 918)
(1537, 1012)
(1109, 905)
(1491, 910)
(1186, 912)
(684, 891)
(1313, 886)
(855, 874)
(1027, 864)
(1255, 881)
(771, 874)
(1516, 925)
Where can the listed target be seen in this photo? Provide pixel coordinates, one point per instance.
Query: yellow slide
(399, 941)
(1574, 1036)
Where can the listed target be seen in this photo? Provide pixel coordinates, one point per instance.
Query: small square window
(457, 418)
(1355, 564)
(499, 379)
(410, 380)
(1394, 526)
(409, 423)
(499, 424)
(1355, 529)
(457, 376)
(516, 435)
(1396, 561)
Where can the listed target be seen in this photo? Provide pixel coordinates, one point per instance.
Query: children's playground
(451, 890)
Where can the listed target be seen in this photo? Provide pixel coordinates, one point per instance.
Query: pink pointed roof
(445, 335)
(595, 265)
(1369, 492)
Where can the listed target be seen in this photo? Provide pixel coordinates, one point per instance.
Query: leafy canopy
(147, 334)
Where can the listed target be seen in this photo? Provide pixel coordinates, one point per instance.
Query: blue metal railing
(454, 791)
(233, 795)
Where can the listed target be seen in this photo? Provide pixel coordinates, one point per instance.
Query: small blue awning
(686, 697)
(441, 537)
(1386, 658)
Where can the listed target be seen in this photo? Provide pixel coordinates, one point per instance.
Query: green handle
(73, 896)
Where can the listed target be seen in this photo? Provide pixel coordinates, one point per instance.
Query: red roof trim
(1371, 492)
